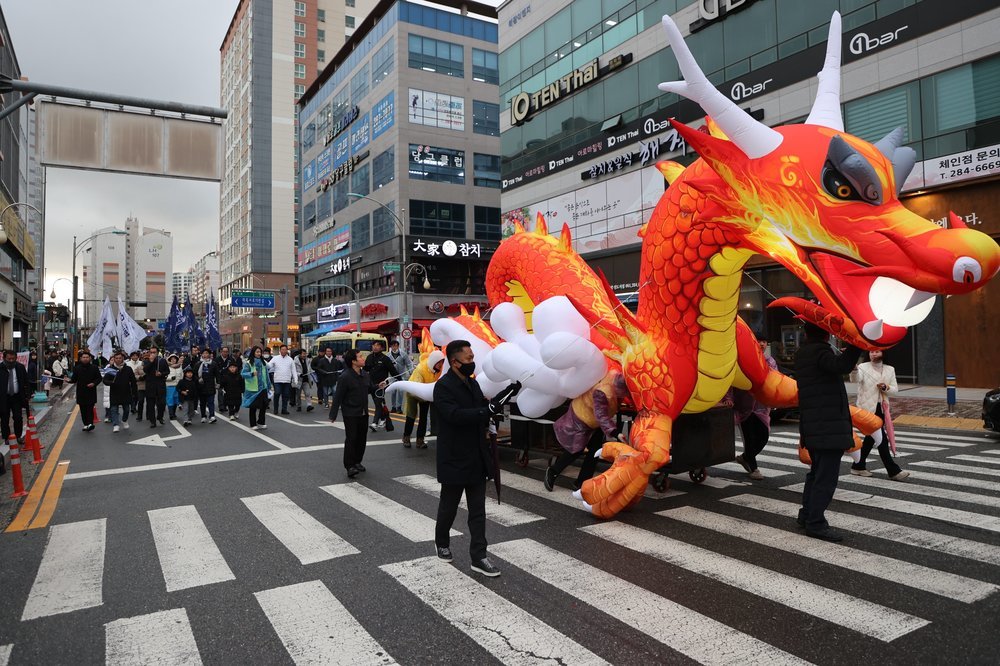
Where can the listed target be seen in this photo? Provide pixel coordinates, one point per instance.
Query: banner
(100, 338)
(212, 324)
(171, 334)
(130, 333)
(195, 336)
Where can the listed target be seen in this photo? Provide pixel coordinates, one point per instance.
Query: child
(187, 392)
(232, 385)
(173, 376)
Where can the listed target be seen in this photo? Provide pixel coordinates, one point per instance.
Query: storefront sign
(437, 307)
(341, 125)
(330, 313)
(440, 157)
(962, 166)
(525, 105)
(342, 265)
(383, 115)
(470, 306)
(324, 163)
(649, 151)
(519, 15)
(309, 175)
(331, 245)
(341, 172)
(360, 135)
(447, 248)
(437, 110)
(977, 204)
(373, 310)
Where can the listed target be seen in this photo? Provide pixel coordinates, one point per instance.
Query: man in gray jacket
(404, 368)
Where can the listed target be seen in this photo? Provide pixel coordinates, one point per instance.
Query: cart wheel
(521, 458)
(661, 482)
(698, 475)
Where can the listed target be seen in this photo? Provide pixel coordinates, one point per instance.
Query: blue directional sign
(252, 299)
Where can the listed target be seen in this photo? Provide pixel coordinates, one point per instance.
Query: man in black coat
(380, 367)
(824, 424)
(86, 376)
(122, 389)
(219, 365)
(156, 370)
(13, 395)
(328, 369)
(464, 463)
(351, 397)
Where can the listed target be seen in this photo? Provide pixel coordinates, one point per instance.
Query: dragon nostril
(966, 270)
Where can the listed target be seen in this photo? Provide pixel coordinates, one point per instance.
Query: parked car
(991, 410)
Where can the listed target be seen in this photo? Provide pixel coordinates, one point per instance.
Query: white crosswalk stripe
(860, 615)
(947, 479)
(931, 511)
(736, 467)
(315, 628)
(504, 514)
(71, 573)
(981, 439)
(157, 638)
(795, 451)
(942, 440)
(530, 486)
(965, 469)
(400, 519)
(926, 491)
(903, 573)
(992, 452)
(509, 633)
(308, 539)
(188, 554)
(979, 459)
(910, 536)
(5, 651)
(690, 633)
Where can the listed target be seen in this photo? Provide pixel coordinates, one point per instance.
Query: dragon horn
(541, 228)
(826, 107)
(902, 158)
(566, 239)
(475, 314)
(754, 139)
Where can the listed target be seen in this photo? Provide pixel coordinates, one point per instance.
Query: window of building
(440, 165)
(300, 90)
(320, 55)
(300, 50)
(359, 85)
(349, 21)
(309, 214)
(487, 223)
(486, 170)
(349, 3)
(309, 133)
(961, 97)
(437, 109)
(361, 231)
(300, 9)
(323, 210)
(321, 15)
(321, 35)
(384, 168)
(485, 67)
(874, 116)
(360, 180)
(485, 118)
(383, 61)
(300, 70)
(340, 199)
(383, 224)
(435, 218)
(432, 55)
(300, 29)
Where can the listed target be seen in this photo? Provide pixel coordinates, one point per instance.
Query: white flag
(130, 333)
(95, 343)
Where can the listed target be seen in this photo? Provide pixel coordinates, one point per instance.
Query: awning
(321, 330)
(423, 323)
(373, 326)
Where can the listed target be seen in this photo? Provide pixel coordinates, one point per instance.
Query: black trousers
(87, 413)
(475, 497)
(589, 465)
(422, 409)
(14, 407)
(755, 436)
(156, 401)
(258, 409)
(140, 403)
(821, 482)
(355, 439)
(884, 452)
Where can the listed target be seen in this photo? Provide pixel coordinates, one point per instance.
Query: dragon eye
(838, 186)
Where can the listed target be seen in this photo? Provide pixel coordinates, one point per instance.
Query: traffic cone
(31, 424)
(32, 442)
(15, 468)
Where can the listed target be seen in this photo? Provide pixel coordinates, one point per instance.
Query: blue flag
(195, 336)
(212, 324)
(172, 333)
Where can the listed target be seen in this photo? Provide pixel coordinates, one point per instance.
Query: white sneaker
(262, 427)
(115, 429)
(203, 419)
(900, 476)
(212, 420)
(255, 427)
(232, 418)
(125, 425)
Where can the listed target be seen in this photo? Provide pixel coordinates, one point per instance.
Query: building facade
(108, 259)
(152, 268)
(181, 286)
(400, 171)
(583, 124)
(204, 277)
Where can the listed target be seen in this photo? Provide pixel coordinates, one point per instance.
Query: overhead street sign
(252, 299)
(390, 266)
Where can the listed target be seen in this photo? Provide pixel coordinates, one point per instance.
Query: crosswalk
(932, 546)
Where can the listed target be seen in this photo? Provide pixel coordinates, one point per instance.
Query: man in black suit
(824, 424)
(13, 395)
(156, 370)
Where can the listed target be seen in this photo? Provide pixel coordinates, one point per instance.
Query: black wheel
(661, 482)
(698, 475)
(521, 458)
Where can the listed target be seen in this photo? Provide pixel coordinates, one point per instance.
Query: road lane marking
(316, 424)
(943, 440)
(964, 481)
(188, 554)
(984, 439)
(27, 511)
(400, 519)
(916, 576)
(156, 440)
(256, 433)
(507, 515)
(910, 536)
(315, 628)
(308, 539)
(508, 633)
(860, 615)
(795, 451)
(5, 651)
(690, 633)
(931, 511)
(71, 574)
(157, 638)
(979, 459)
(736, 467)
(926, 491)
(51, 499)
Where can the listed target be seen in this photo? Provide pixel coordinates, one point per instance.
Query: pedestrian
(14, 396)
(307, 381)
(257, 388)
(59, 370)
(221, 364)
(876, 380)
(464, 462)
(825, 428)
(426, 372)
(205, 374)
(174, 375)
(380, 369)
(351, 397)
(156, 370)
(32, 369)
(284, 374)
(192, 358)
(121, 386)
(403, 369)
(135, 361)
(328, 369)
(233, 386)
(187, 394)
(754, 419)
(587, 424)
(86, 376)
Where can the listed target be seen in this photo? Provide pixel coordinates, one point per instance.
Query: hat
(172, 356)
(434, 358)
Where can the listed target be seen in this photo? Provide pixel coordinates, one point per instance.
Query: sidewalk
(927, 407)
(28, 470)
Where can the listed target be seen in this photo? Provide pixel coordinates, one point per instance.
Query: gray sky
(164, 50)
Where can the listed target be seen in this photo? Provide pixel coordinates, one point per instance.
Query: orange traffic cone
(15, 468)
(32, 443)
(32, 426)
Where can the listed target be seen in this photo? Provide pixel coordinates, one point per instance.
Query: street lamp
(77, 248)
(420, 269)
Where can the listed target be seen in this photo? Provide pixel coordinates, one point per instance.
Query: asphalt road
(233, 547)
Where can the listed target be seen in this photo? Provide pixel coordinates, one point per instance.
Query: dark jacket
(121, 385)
(327, 372)
(462, 417)
(220, 364)
(149, 368)
(21, 375)
(351, 395)
(205, 377)
(824, 411)
(190, 386)
(380, 367)
(232, 384)
(83, 374)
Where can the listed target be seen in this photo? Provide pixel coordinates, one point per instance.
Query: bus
(340, 342)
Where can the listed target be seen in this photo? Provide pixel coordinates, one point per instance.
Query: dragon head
(825, 205)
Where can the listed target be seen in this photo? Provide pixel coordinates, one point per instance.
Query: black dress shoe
(826, 535)
(550, 479)
(801, 522)
(485, 567)
(284, 411)
(444, 553)
(353, 472)
(361, 468)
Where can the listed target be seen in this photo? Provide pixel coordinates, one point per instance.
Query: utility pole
(284, 315)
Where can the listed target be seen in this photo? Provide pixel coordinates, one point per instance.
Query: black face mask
(466, 369)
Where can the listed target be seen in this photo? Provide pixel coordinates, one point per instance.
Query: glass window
(361, 231)
(349, 3)
(872, 117)
(300, 90)
(621, 91)
(349, 21)
(339, 195)
(558, 30)
(435, 218)
(704, 44)
(586, 13)
(485, 118)
(320, 55)
(588, 104)
(383, 224)
(437, 110)
(309, 133)
(321, 15)
(487, 223)
(320, 35)
(510, 61)
(384, 168)
(300, 70)
(616, 33)
(360, 180)
(611, 6)
(359, 85)
(383, 62)
(753, 29)
(485, 67)
(300, 29)
(441, 165)
(796, 17)
(432, 55)
(961, 97)
(533, 47)
(323, 202)
(300, 9)
(486, 170)
(300, 50)
(309, 214)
